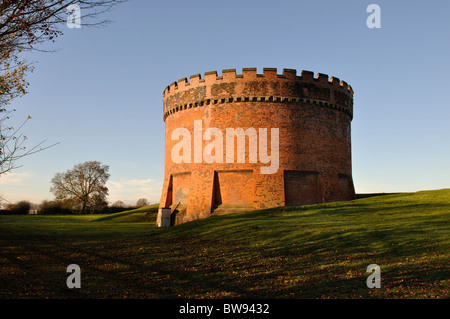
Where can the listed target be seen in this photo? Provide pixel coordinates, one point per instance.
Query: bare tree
(12, 146)
(24, 25)
(20, 208)
(119, 203)
(3, 202)
(84, 184)
(142, 202)
(27, 23)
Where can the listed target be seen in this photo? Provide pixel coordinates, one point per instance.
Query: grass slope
(141, 214)
(319, 251)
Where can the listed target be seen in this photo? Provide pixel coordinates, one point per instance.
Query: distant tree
(54, 207)
(84, 185)
(99, 204)
(3, 202)
(142, 202)
(20, 208)
(118, 203)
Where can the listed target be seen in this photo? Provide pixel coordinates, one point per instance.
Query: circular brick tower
(250, 141)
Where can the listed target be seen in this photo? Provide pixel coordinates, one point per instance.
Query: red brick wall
(313, 115)
(234, 187)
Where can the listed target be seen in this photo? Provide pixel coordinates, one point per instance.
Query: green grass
(319, 251)
(142, 214)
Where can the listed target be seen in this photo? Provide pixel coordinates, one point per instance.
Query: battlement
(268, 87)
(250, 74)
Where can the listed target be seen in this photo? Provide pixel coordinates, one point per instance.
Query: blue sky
(100, 93)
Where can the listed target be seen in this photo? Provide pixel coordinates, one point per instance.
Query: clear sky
(100, 93)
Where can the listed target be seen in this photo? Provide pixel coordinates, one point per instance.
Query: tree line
(81, 190)
(57, 207)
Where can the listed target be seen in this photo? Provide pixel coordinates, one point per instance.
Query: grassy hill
(318, 251)
(141, 214)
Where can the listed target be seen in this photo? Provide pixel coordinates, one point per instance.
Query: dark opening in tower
(301, 187)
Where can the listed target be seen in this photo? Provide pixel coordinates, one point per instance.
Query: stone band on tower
(312, 115)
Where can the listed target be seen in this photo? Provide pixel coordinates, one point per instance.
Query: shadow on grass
(299, 252)
(367, 195)
(152, 209)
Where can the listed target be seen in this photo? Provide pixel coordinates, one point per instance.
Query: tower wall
(312, 115)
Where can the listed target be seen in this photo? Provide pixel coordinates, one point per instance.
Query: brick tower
(307, 116)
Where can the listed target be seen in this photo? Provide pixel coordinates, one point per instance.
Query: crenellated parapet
(268, 87)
